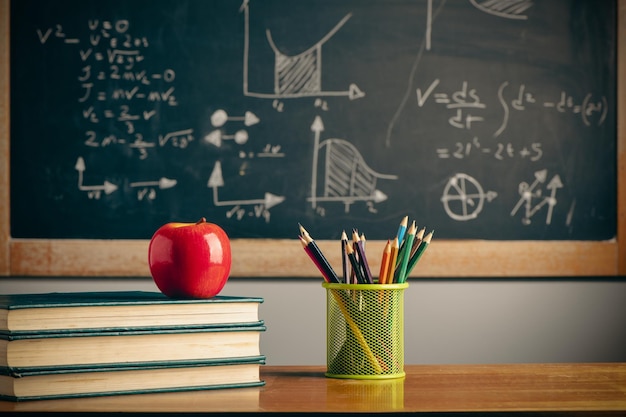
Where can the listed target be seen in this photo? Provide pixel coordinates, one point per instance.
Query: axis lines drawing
(298, 75)
(346, 176)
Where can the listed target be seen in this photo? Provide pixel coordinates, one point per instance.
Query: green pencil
(419, 252)
(406, 253)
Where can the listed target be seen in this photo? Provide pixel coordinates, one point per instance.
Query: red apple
(190, 260)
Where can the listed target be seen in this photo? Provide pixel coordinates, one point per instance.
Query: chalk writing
(463, 197)
(298, 75)
(499, 151)
(258, 113)
(347, 177)
(466, 105)
(532, 198)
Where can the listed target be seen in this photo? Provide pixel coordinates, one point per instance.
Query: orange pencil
(384, 263)
(395, 247)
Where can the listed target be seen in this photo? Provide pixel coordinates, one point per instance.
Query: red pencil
(319, 258)
(306, 248)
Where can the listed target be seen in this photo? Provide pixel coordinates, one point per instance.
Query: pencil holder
(365, 330)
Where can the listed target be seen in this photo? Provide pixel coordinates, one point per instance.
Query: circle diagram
(463, 197)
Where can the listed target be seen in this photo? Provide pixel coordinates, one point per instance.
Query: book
(84, 349)
(245, 399)
(125, 379)
(85, 311)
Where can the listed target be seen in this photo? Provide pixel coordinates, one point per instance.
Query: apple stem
(202, 220)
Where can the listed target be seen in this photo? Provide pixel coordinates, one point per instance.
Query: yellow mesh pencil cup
(365, 330)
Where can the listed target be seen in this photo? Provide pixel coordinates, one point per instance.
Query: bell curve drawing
(346, 176)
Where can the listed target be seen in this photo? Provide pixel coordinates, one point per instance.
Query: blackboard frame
(284, 257)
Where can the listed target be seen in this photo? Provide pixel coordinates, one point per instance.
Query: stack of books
(61, 345)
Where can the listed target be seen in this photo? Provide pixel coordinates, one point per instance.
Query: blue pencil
(402, 229)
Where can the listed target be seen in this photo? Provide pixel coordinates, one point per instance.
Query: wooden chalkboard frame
(285, 258)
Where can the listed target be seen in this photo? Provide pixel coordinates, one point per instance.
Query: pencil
(357, 333)
(401, 252)
(365, 268)
(355, 239)
(306, 248)
(344, 257)
(324, 266)
(420, 251)
(384, 263)
(406, 253)
(355, 265)
(418, 239)
(392, 261)
(402, 229)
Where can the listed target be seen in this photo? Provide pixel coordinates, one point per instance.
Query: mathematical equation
(117, 90)
(121, 99)
(500, 151)
(465, 104)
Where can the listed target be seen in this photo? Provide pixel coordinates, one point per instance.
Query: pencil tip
(303, 230)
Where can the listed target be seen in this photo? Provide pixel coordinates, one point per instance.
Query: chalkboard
(479, 119)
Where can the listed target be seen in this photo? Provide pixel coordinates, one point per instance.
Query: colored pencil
(355, 265)
(360, 250)
(384, 263)
(357, 333)
(306, 248)
(420, 251)
(392, 261)
(418, 239)
(406, 254)
(324, 266)
(401, 252)
(402, 229)
(344, 257)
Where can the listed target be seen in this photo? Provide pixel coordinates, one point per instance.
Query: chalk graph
(346, 176)
(298, 75)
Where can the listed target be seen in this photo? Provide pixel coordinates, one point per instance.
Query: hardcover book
(87, 311)
(87, 349)
(116, 379)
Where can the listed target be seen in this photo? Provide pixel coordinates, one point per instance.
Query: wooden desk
(586, 389)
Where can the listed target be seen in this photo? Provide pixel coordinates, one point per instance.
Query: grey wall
(447, 321)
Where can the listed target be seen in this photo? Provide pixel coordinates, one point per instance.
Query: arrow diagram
(316, 127)
(163, 183)
(107, 187)
(217, 180)
(216, 137)
(220, 117)
(377, 197)
(554, 184)
(526, 191)
(355, 92)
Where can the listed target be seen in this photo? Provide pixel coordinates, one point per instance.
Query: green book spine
(138, 391)
(109, 298)
(22, 372)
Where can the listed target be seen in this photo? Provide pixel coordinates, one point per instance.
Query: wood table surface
(592, 389)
